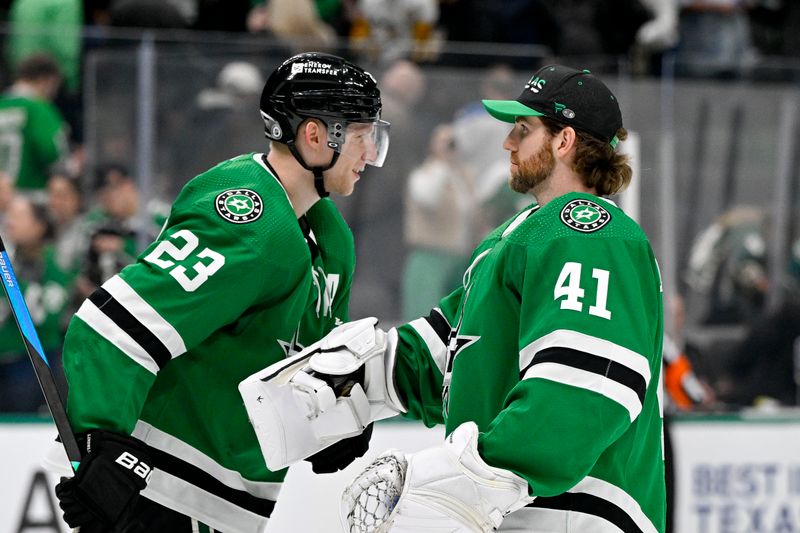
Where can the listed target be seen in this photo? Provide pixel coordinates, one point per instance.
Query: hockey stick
(41, 365)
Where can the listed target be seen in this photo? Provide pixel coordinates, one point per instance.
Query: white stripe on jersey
(563, 338)
(177, 448)
(187, 499)
(436, 347)
(576, 377)
(536, 519)
(617, 496)
(144, 313)
(519, 220)
(109, 330)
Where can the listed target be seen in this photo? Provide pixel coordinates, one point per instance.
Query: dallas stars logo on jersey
(239, 205)
(584, 216)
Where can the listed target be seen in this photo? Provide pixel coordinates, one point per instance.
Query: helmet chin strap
(319, 181)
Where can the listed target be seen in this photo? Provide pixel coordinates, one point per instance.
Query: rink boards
(734, 474)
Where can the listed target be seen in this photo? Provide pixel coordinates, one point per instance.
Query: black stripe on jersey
(580, 502)
(203, 480)
(440, 326)
(592, 363)
(131, 325)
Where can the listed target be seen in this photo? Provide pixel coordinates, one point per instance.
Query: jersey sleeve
(588, 330)
(200, 275)
(421, 359)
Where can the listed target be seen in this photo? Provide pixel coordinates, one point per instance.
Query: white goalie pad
(295, 414)
(447, 489)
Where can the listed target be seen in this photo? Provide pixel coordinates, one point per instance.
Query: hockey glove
(330, 391)
(338, 456)
(114, 469)
(446, 488)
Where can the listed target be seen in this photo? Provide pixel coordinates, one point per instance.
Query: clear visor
(361, 140)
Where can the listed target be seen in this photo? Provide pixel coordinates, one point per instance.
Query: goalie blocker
(330, 391)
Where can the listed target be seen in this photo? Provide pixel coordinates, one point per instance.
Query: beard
(533, 171)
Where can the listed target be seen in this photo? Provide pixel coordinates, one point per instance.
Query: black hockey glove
(339, 455)
(114, 469)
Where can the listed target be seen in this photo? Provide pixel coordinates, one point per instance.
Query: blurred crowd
(69, 227)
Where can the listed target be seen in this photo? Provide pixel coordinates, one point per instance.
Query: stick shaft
(41, 366)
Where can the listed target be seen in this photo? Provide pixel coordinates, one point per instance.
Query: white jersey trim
(436, 347)
(533, 519)
(518, 220)
(109, 330)
(144, 313)
(187, 499)
(177, 448)
(576, 377)
(617, 496)
(590, 381)
(565, 338)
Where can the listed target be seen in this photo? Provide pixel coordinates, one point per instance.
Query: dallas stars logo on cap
(584, 216)
(239, 205)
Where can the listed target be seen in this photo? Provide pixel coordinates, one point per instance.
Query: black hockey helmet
(327, 88)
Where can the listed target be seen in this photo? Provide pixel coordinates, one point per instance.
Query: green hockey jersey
(233, 284)
(553, 347)
(32, 139)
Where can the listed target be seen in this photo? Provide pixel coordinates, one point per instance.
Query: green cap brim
(509, 110)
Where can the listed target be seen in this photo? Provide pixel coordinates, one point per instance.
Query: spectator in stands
(115, 228)
(48, 27)
(657, 35)
(65, 205)
(440, 228)
(293, 22)
(765, 368)
(45, 288)
(222, 111)
(31, 128)
(53, 28)
(727, 267)
(386, 30)
(715, 39)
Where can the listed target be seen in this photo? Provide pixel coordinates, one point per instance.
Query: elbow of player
(556, 473)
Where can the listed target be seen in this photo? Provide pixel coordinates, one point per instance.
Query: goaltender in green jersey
(252, 263)
(544, 366)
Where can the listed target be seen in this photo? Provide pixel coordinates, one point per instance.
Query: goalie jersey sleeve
(555, 352)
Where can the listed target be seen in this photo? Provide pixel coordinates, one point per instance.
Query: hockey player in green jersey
(253, 263)
(545, 366)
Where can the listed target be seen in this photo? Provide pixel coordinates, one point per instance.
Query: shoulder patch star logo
(239, 206)
(585, 216)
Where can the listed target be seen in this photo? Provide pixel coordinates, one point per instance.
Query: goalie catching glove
(330, 391)
(446, 488)
(115, 468)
